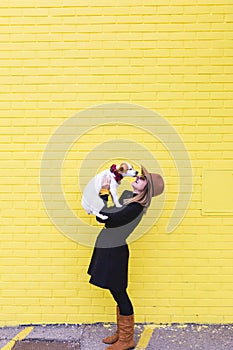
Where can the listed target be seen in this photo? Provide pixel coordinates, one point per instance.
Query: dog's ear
(118, 167)
(122, 167)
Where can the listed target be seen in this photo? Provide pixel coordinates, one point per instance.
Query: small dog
(91, 200)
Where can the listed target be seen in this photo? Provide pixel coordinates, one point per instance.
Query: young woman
(109, 263)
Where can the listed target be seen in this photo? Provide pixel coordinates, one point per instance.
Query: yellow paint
(20, 336)
(145, 338)
(60, 57)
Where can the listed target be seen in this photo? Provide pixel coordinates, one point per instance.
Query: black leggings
(122, 299)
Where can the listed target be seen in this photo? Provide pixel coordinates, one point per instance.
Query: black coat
(109, 262)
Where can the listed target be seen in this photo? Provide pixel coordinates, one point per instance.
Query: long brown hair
(141, 198)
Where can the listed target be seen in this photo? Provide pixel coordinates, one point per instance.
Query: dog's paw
(103, 217)
(118, 205)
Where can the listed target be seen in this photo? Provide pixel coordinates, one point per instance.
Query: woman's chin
(135, 190)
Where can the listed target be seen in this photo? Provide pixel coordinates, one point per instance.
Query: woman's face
(139, 184)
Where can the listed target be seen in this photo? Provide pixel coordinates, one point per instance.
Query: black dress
(109, 262)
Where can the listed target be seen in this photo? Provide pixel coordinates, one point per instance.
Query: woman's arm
(117, 216)
(121, 216)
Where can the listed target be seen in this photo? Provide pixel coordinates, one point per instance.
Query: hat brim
(155, 183)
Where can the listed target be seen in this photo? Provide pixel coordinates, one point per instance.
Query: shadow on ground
(45, 345)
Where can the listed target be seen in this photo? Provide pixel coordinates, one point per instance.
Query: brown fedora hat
(155, 183)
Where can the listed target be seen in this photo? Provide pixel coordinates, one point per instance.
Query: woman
(109, 263)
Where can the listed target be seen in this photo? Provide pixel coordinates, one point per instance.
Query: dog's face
(126, 169)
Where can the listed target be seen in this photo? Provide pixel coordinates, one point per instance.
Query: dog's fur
(91, 200)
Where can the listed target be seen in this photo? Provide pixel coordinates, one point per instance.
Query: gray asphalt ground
(89, 337)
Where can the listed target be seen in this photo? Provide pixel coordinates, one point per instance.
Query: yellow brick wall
(60, 57)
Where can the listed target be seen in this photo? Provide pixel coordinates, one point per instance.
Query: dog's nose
(136, 172)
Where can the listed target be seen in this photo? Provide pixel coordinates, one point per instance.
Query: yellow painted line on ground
(145, 338)
(20, 336)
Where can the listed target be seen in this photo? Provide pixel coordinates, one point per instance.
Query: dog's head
(126, 169)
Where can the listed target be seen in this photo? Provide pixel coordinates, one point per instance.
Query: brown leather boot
(126, 334)
(113, 338)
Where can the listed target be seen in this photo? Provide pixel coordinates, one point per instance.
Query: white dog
(91, 200)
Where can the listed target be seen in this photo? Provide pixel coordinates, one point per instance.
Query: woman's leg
(123, 301)
(126, 322)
